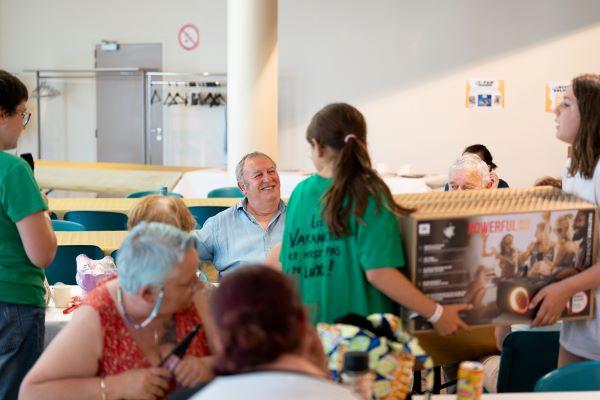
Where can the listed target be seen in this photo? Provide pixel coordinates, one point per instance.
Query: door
(120, 101)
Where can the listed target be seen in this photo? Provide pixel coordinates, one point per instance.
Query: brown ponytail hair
(586, 146)
(343, 129)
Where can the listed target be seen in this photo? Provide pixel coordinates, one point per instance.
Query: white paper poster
(555, 91)
(485, 93)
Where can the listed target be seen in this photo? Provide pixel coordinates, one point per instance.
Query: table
(108, 241)
(525, 396)
(111, 178)
(122, 205)
(55, 319)
(472, 345)
(199, 183)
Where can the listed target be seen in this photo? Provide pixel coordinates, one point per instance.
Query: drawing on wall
(485, 93)
(555, 91)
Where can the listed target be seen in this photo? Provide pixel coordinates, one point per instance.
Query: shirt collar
(242, 205)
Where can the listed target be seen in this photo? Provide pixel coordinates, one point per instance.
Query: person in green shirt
(27, 246)
(341, 239)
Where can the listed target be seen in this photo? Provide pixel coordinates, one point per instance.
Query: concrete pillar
(252, 59)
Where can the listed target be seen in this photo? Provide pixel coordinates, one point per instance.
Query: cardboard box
(496, 248)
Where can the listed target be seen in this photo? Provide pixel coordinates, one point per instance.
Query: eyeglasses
(25, 116)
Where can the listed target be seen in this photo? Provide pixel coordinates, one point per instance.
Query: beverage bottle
(356, 373)
(163, 190)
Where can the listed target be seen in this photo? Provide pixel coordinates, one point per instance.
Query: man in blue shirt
(246, 232)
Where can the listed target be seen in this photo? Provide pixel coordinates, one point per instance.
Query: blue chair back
(114, 254)
(53, 216)
(98, 220)
(145, 193)
(584, 376)
(232, 191)
(202, 213)
(526, 356)
(59, 225)
(64, 266)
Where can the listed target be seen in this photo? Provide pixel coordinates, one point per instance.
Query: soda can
(470, 380)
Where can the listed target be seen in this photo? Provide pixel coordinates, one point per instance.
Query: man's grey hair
(239, 169)
(471, 162)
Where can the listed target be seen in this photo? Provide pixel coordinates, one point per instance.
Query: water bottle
(356, 373)
(163, 190)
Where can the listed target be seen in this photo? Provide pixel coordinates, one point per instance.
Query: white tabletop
(199, 183)
(525, 396)
(55, 319)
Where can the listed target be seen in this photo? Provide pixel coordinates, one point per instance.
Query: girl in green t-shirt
(341, 240)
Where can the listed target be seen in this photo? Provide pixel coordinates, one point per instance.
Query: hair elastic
(348, 137)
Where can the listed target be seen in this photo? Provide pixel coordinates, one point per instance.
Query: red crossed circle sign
(188, 37)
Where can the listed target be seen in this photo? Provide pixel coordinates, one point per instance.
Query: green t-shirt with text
(21, 282)
(331, 271)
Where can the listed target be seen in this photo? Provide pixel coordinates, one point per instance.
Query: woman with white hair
(115, 344)
(469, 172)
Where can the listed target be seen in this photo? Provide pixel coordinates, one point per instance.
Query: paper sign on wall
(485, 93)
(555, 91)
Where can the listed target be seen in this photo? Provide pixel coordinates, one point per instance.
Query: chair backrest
(584, 376)
(64, 266)
(114, 254)
(232, 191)
(526, 356)
(53, 216)
(99, 220)
(202, 213)
(150, 192)
(59, 225)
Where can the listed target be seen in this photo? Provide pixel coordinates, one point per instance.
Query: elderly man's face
(462, 179)
(261, 180)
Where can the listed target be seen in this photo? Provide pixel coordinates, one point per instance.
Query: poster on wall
(555, 91)
(485, 93)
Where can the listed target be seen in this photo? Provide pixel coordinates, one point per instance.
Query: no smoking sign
(188, 37)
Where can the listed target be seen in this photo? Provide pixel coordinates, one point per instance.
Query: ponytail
(343, 128)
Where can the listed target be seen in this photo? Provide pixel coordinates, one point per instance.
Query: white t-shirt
(274, 385)
(582, 338)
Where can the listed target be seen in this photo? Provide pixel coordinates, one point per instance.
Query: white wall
(403, 63)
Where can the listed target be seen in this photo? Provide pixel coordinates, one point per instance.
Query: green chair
(526, 357)
(64, 266)
(145, 193)
(59, 225)
(584, 376)
(202, 213)
(232, 191)
(98, 220)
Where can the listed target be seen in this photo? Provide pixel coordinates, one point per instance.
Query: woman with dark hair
(482, 152)
(27, 246)
(578, 124)
(268, 350)
(341, 239)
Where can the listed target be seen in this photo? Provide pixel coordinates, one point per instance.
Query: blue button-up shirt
(234, 237)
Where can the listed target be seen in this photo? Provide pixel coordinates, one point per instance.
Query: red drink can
(470, 380)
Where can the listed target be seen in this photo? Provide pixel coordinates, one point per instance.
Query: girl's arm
(554, 297)
(397, 287)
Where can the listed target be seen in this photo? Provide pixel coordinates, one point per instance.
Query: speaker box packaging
(496, 249)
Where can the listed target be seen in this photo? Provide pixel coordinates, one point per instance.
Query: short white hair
(471, 162)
